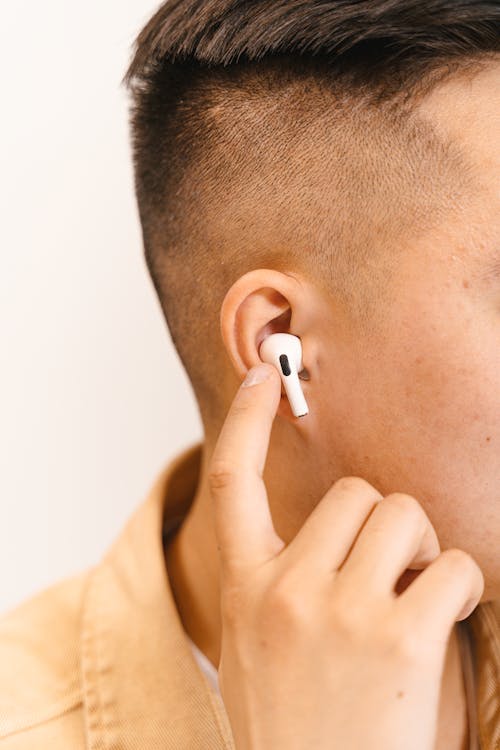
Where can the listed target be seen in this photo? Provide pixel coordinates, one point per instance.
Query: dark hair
(220, 32)
(193, 54)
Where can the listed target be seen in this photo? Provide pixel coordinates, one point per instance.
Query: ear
(261, 302)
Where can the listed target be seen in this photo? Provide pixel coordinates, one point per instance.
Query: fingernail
(255, 375)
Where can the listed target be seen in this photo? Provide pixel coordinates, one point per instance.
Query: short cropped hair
(283, 134)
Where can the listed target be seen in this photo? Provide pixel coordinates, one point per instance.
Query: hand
(318, 651)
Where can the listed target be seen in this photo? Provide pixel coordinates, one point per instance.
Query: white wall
(93, 398)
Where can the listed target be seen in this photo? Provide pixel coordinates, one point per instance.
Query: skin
(411, 406)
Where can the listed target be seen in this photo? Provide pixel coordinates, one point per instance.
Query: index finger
(242, 519)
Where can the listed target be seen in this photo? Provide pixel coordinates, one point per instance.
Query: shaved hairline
(297, 177)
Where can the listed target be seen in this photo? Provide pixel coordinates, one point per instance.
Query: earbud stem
(295, 395)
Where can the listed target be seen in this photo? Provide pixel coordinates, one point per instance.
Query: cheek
(423, 417)
(432, 420)
(450, 377)
(445, 404)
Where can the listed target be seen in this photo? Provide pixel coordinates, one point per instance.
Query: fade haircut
(284, 134)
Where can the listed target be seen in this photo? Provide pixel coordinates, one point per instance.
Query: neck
(193, 568)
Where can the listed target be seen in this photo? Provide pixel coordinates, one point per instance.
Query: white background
(94, 399)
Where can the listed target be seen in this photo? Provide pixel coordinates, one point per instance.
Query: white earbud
(284, 351)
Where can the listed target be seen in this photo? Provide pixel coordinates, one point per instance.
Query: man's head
(330, 169)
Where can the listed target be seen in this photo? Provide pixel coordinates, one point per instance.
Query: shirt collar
(142, 685)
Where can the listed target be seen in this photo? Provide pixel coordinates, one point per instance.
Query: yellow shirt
(101, 661)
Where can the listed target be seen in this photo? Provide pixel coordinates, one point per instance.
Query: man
(329, 170)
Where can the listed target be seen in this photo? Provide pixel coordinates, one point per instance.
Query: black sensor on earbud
(285, 365)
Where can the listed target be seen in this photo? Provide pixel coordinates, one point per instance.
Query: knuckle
(352, 484)
(232, 605)
(220, 475)
(346, 621)
(408, 504)
(397, 641)
(458, 559)
(406, 645)
(348, 616)
(286, 601)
